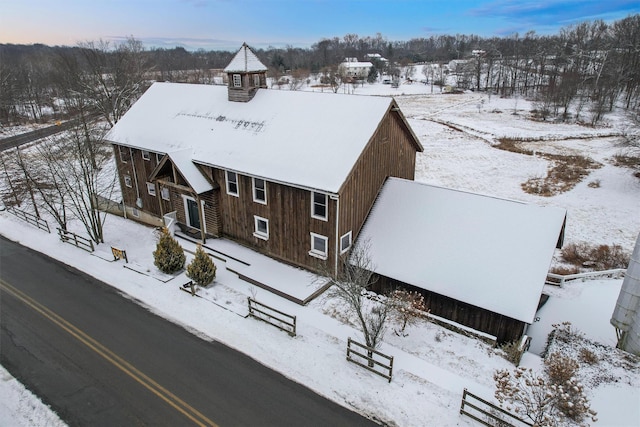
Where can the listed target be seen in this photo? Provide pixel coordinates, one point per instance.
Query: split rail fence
(368, 361)
(74, 239)
(560, 279)
(277, 318)
(30, 218)
(488, 413)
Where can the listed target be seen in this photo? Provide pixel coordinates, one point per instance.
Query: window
(345, 242)
(319, 245)
(146, 155)
(319, 205)
(151, 188)
(135, 212)
(164, 192)
(232, 183)
(261, 227)
(259, 191)
(127, 180)
(256, 80)
(158, 157)
(237, 80)
(124, 154)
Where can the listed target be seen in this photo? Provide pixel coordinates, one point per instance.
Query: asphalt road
(99, 359)
(24, 138)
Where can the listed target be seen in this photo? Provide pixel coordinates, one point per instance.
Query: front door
(193, 219)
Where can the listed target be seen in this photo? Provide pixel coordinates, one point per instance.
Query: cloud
(553, 13)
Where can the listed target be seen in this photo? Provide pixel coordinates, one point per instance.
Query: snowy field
(432, 365)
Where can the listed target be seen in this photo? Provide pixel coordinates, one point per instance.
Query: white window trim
(146, 155)
(158, 157)
(203, 221)
(342, 249)
(226, 176)
(256, 80)
(135, 212)
(259, 234)
(255, 198)
(151, 189)
(326, 206)
(162, 193)
(315, 253)
(127, 181)
(237, 80)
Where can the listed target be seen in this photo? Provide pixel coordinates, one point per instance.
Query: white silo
(626, 315)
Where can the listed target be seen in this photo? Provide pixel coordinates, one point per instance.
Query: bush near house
(201, 270)
(169, 256)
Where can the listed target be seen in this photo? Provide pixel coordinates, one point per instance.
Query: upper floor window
(237, 80)
(127, 180)
(232, 183)
(146, 155)
(151, 188)
(158, 157)
(319, 205)
(124, 154)
(259, 190)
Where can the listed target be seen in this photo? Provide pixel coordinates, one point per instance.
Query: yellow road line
(184, 408)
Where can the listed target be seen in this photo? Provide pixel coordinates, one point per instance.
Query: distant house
(282, 172)
(352, 68)
(479, 261)
(375, 57)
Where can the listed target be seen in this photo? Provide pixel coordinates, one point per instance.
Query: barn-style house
(290, 174)
(299, 176)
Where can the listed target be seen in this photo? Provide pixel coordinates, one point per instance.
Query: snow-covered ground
(432, 365)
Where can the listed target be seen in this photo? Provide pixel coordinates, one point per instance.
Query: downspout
(135, 178)
(337, 241)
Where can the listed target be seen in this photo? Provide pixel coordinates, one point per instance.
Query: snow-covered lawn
(432, 365)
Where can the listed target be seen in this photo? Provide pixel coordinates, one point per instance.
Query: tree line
(592, 63)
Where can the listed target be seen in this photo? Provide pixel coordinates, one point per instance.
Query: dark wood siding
(139, 170)
(390, 152)
(505, 329)
(288, 211)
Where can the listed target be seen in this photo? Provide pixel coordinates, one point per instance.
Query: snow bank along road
(100, 359)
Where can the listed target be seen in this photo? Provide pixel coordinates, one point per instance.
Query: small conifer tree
(168, 256)
(201, 270)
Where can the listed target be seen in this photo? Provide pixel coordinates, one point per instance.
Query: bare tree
(299, 77)
(109, 79)
(71, 173)
(350, 285)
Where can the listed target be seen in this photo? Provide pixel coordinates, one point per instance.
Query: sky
(225, 24)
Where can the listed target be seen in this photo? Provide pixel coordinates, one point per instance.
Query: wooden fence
(74, 239)
(560, 279)
(384, 369)
(277, 318)
(30, 218)
(488, 413)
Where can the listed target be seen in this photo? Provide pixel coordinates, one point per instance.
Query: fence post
(464, 395)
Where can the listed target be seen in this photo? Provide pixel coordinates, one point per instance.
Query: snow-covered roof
(306, 139)
(245, 61)
(352, 64)
(488, 252)
(183, 161)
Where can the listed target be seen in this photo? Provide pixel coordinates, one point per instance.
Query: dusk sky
(225, 24)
